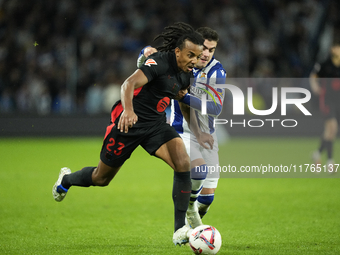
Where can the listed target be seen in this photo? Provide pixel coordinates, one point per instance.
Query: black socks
(181, 195)
(82, 178)
(328, 145)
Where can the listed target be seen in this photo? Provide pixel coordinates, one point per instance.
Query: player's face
(187, 57)
(336, 50)
(207, 54)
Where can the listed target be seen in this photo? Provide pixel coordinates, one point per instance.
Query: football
(205, 239)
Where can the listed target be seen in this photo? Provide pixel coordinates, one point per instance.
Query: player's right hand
(149, 50)
(205, 138)
(181, 94)
(127, 120)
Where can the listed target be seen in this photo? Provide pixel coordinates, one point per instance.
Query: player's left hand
(127, 120)
(205, 138)
(181, 94)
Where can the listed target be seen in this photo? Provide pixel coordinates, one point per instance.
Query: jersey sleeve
(215, 95)
(141, 58)
(217, 76)
(154, 66)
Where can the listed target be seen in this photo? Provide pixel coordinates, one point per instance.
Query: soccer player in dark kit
(139, 119)
(328, 89)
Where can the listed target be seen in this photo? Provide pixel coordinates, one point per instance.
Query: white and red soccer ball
(205, 239)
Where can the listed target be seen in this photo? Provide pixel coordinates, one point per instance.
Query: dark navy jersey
(330, 79)
(327, 70)
(164, 82)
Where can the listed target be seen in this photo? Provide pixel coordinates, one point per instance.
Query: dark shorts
(117, 146)
(330, 109)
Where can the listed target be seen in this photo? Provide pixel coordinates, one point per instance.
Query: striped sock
(198, 175)
(197, 186)
(204, 202)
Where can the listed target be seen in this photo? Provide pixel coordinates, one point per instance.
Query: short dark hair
(208, 34)
(175, 36)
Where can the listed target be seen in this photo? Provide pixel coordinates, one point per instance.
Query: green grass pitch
(134, 214)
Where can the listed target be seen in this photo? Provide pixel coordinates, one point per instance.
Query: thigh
(193, 149)
(195, 152)
(174, 154)
(331, 129)
(212, 160)
(331, 124)
(197, 160)
(186, 140)
(118, 146)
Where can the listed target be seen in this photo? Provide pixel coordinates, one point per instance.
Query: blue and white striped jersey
(204, 85)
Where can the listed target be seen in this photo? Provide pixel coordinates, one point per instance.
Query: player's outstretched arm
(213, 109)
(216, 95)
(128, 117)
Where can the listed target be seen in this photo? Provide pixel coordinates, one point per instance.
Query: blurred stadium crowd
(71, 56)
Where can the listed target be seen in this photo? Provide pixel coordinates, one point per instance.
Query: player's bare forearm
(314, 84)
(126, 94)
(128, 117)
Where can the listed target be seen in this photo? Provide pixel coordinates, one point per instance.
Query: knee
(199, 172)
(331, 129)
(182, 164)
(330, 133)
(206, 199)
(334, 131)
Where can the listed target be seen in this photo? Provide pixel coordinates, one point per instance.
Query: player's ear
(177, 52)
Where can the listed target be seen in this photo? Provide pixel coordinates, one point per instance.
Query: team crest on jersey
(203, 75)
(150, 62)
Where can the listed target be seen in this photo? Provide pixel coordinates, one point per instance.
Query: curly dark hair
(175, 36)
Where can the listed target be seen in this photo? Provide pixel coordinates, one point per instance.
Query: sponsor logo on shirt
(163, 104)
(150, 62)
(211, 95)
